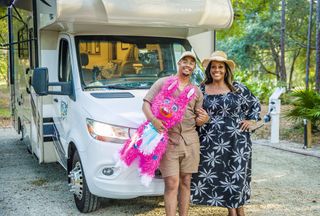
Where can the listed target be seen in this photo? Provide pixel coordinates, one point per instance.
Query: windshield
(127, 62)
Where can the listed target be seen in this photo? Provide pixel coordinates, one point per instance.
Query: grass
(4, 101)
(5, 113)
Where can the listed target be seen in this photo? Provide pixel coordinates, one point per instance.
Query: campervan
(79, 71)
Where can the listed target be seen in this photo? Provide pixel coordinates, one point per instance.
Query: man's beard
(186, 75)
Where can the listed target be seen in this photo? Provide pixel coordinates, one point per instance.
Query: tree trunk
(308, 44)
(283, 75)
(295, 56)
(275, 56)
(318, 49)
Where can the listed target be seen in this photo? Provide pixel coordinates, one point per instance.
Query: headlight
(108, 133)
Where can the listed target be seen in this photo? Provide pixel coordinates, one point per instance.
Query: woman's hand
(158, 124)
(246, 125)
(202, 117)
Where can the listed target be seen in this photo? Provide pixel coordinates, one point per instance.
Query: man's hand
(202, 117)
(158, 124)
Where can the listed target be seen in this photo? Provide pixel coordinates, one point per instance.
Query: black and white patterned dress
(225, 161)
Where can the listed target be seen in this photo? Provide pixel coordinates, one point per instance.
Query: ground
(283, 183)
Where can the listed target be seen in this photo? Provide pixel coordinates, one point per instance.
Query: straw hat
(187, 53)
(221, 57)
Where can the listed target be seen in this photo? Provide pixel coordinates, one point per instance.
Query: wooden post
(309, 134)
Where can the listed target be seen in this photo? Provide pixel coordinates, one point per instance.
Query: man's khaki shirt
(185, 131)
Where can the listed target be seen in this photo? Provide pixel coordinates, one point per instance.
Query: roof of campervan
(86, 15)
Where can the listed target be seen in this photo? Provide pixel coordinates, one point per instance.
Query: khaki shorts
(180, 159)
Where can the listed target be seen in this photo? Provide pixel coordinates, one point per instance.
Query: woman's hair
(228, 77)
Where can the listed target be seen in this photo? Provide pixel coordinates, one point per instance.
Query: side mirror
(40, 81)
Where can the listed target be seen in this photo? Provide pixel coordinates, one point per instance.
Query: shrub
(262, 86)
(306, 105)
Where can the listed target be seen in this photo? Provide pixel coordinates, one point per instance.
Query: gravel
(283, 183)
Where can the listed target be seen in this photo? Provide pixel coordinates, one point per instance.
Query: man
(182, 155)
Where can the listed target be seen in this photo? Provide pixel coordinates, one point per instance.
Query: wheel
(84, 199)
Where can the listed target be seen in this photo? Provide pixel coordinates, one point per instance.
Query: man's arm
(158, 124)
(202, 117)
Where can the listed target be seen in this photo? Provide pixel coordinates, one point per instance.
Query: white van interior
(127, 62)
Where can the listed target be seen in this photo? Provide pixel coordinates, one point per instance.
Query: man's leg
(232, 212)
(184, 194)
(171, 194)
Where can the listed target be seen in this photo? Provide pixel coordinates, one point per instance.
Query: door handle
(55, 100)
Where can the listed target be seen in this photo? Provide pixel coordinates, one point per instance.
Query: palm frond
(306, 105)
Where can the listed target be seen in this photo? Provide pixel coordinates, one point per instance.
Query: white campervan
(79, 71)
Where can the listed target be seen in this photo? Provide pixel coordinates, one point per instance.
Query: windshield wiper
(106, 87)
(128, 86)
(122, 86)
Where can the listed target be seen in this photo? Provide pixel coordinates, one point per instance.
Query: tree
(318, 49)
(255, 42)
(283, 74)
(3, 49)
(308, 44)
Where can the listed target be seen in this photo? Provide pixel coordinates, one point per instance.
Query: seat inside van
(86, 72)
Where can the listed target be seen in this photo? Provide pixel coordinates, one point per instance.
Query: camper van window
(127, 62)
(23, 52)
(64, 62)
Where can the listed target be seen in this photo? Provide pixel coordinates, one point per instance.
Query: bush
(3, 67)
(306, 105)
(262, 86)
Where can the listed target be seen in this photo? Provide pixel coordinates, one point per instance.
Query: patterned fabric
(225, 161)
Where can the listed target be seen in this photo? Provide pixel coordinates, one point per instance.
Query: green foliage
(4, 101)
(261, 86)
(306, 105)
(5, 113)
(3, 26)
(3, 67)
(3, 40)
(253, 40)
(253, 50)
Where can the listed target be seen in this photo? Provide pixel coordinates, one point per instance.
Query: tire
(84, 199)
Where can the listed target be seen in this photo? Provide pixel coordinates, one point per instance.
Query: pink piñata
(147, 144)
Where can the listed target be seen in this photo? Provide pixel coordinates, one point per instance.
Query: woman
(225, 152)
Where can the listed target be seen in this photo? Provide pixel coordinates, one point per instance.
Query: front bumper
(124, 183)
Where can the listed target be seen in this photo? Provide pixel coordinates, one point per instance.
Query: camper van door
(62, 103)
